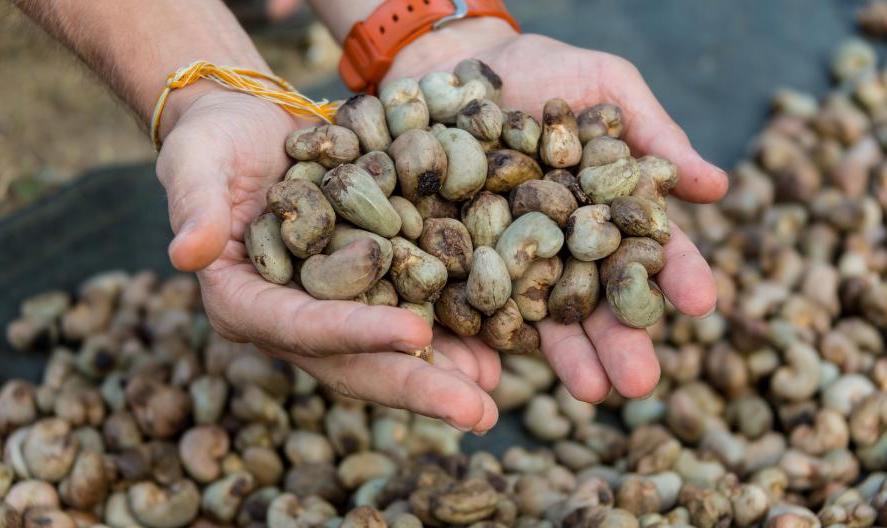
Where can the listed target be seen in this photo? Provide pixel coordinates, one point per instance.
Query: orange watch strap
(371, 45)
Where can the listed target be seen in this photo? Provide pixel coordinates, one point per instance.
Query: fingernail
(407, 347)
(480, 433)
(706, 314)
(460, 428)
(187, 227)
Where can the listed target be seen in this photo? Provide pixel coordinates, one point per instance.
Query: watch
(371, 45)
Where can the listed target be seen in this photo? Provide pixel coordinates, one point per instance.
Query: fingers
(575, 360)
(191, 170)
(245, 306)
(405, 382)
(686, 278)
(625, 353)
(650, 130)
(476, 360)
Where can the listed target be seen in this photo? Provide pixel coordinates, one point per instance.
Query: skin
(222, 150)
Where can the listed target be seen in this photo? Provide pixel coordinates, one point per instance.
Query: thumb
(192, 168)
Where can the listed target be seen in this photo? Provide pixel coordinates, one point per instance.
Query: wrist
(445, 47)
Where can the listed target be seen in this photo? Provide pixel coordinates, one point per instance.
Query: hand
(223, 152)
(600, 352)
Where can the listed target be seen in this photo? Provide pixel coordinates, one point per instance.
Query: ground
(57, 118)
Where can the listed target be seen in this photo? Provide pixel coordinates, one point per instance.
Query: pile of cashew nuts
(433, 198)
(772, 411)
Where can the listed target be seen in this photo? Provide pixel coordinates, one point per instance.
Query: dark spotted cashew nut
(603, 119)
(421, 163)
(448, 240)
(486, 216)
(550, 198)
(589, 233)
(635, 300)
(489, 285)
(344, 274)
(506, 169)
(575, 295)
(530, 291)
(418, 276)
(266, 249)
(364, 115)
(307, 218)
(329, 145)
(405, 107)
(454, 311)
(560, 146)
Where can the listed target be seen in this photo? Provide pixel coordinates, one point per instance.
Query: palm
(217, 165)
(591, 356)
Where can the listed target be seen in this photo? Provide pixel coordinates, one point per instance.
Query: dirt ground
(57, 119)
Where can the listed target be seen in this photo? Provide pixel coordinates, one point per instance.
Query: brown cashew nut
(486, 216)
(50, 449)
(603, 119)
(344, 274)
(346, 234)
(476, 70)
(635, 300)
(506, 169)
(266, 249)
(435, 206)
(364, 115)
(560, 146)
(454, 311)
(307, 218)
(506, 331)
(657, 177)
(589, 233)
(575, 295)
(550, 198)
(448, 240)
(418, 276)
(607, 170)
(530, 291)
(88, 482)
(164, 507)
(405, 107)
(481, 118)
(421, 163)
(521, 132)
(529, 237)
(382, 294)
(223, 498)
(201, 450)
(466, 163)
(306, 170)
(445, 95)
(356, 197)
(646, 251)
(410, 220)
(381, 167)
(329, 145)
(489, 284)
(571, 182)
(636, 216)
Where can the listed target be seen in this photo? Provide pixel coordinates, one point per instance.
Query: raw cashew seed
(571, 182)
(306, 170)
(355, 196)
(521, 132)
(445, 95)
(423, 310)
(344, 274)
(635, 301)
(489, 284)
(381, 168)
(600, 120)
(346, 234)
(476, 70)
(530, 291)
(448, 240)
(454, 311)
(405, 107)
(575, 295)
(506, 330)
(603, 183)
(435, 206)
(656, 178)
(560, 146)
(482, 118)
(466, 163)
(365, 116)
(307, 217)
(421, 163)
(506, 169)
(646, 251)
(50, 449)
(266, 249)
(417, 276)
(486, 216)
(382, 294)
(550, 198)
(529, 237)
(329, 145)
(589, 233)
(637, 216)
(170, 507)
(410, 219)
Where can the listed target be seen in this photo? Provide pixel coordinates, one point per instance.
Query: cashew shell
(455, 312)
(421, 163)
(266, 249)
(589, 233)
(364, 115)
(344, 274)
(636, 216)
(418, 276)
(307, 217)
(448, 240)
(635, 300)
(560, 146)
(530, 291)
(550, 198)
(506, 169)
(381, 168)
(576, 293)
(489, 285)
(506, 331)
(646, 251)
(466, 164)
(529, 237)
(355, 196)
(329, 145)
(486, 216)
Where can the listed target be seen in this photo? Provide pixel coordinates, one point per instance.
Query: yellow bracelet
(244, 81)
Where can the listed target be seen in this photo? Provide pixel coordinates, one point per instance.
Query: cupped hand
(599, 353)
(217, 162)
